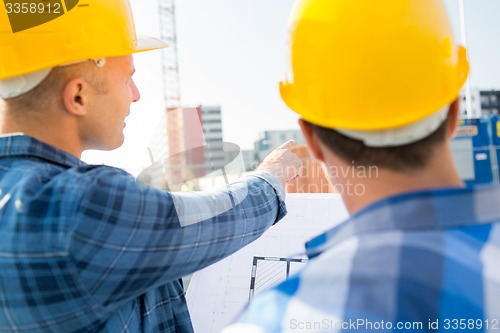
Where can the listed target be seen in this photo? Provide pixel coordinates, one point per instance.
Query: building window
(212, 111)
(211, 121)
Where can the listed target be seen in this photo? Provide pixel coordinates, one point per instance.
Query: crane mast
(173, 116)
(168, 33)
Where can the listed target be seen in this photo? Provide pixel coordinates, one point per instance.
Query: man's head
(96, 97)
(375, 79)
(406, 158)
(79, 61)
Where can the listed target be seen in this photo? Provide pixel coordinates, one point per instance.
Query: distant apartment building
(482, 102)
(474, 105)
(194, 142)
(166, 150)
(269, 140)
(188, 142)
(211, 118)
(490, 102)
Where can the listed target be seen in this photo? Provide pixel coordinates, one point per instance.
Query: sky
(233, 53)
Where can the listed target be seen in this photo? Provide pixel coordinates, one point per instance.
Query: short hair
(406, 158)
(39, 97)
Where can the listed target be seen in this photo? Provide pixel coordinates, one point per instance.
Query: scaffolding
(173, 120)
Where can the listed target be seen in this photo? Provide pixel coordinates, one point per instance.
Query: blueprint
(219, 292)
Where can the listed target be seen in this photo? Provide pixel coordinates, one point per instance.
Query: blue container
(495, 135)
(477, 132)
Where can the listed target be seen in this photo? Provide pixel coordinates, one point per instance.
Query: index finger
(287, 145)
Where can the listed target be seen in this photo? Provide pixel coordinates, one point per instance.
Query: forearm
(131, 238)
(231, 219)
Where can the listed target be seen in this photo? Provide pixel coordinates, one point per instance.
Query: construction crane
(172, 143)
(172, 122)
(168, 33)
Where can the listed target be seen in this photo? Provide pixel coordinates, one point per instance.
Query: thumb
(287, 145)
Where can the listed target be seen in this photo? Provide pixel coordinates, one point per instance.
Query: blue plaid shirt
(419, 262)
(84, 248)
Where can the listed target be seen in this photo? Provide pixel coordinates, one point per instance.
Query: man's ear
(453, 115)
(75, 96)
(312, 140)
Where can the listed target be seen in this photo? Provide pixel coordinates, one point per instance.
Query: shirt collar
(417, 211)
(20, 145)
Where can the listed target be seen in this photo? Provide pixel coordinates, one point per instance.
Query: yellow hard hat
(35, 35)
(369, 65)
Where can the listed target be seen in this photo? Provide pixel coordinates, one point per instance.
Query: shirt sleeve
(129, 238)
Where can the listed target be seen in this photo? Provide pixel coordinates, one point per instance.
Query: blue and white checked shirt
(85, 248)
(420, 262)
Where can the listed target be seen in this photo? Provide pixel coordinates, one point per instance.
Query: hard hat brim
(147, 43)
